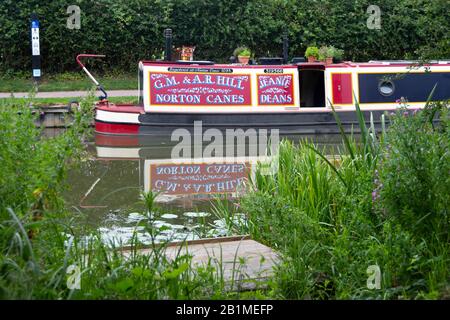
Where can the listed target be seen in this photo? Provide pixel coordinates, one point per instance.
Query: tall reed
(383, 203)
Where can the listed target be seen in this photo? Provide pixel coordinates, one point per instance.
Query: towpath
(69, 94)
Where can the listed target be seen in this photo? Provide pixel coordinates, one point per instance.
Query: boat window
(312, 88)
(386, 87)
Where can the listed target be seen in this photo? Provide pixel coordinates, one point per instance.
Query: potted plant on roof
(328, 53)
(338, 54)
(312, 54)
(243, 54)
(324, 55)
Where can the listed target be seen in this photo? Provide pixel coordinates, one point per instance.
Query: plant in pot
(312, 53)
(338, 54)
(328, 53)
(324, 54)
(243, 54)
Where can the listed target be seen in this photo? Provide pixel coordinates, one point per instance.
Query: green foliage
(337, 53)
(245, 53)
(323, 53)
(106, 272)
(312, 52)
(129, 31)
(33, 169)
(242, 51)
(45, 102)
(34, 265)
(33, 173)
(330, 52)
(414, 171)
(380, 202)
(68, 81)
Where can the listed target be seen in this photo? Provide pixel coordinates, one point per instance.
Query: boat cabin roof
(302, 65)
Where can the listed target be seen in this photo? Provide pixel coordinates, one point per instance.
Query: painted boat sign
(191, 89)
(219, 88)
(275, 89)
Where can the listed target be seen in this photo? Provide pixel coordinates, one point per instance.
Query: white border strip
(118, 117)
(123, 153)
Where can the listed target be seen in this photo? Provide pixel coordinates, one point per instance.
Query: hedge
(127, 31)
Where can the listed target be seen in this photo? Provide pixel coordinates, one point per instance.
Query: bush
(312, 52)
(384, 203)
(33, 167)
(35, 254)
(242, 51)
(129, 31)
(414, 174)
(34, 265)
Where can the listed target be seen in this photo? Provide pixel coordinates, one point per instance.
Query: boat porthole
(386, 87)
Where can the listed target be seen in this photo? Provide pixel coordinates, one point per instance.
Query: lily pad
(169, 216)
(196, 214)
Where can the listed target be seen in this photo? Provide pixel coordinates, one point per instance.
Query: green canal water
(104, 189)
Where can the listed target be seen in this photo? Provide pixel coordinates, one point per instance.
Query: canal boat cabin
(296, 98)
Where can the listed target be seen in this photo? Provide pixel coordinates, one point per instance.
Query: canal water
(105, 188)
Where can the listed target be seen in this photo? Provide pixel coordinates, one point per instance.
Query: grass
(384, 203)
(106, 273)
(75, 81)
(42, 247)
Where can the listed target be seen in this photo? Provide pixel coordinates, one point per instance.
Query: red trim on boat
(116, 141)
(220, 66)
(116, 128)
(345, 64)
(379, 65)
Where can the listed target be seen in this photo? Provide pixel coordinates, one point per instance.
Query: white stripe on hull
(125, 153)
(133, 118)
(117, 117)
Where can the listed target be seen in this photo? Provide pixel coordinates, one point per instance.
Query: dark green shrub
(132, 30)
(414, 174)
(384, 204)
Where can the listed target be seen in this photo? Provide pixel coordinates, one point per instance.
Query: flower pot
(243, 59)
(329, 60)
(312, 59)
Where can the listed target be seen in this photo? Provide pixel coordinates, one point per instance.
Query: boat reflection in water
(121, 167)
(181, 181)
(107, 187)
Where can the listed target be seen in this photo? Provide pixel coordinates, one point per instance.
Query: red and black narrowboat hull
(323, 122)
(292, 98)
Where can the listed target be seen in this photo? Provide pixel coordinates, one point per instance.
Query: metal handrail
(83, 67)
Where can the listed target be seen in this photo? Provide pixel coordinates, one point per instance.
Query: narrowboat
(295, 97)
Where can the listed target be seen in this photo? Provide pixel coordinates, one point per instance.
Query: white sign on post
(35, 41)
